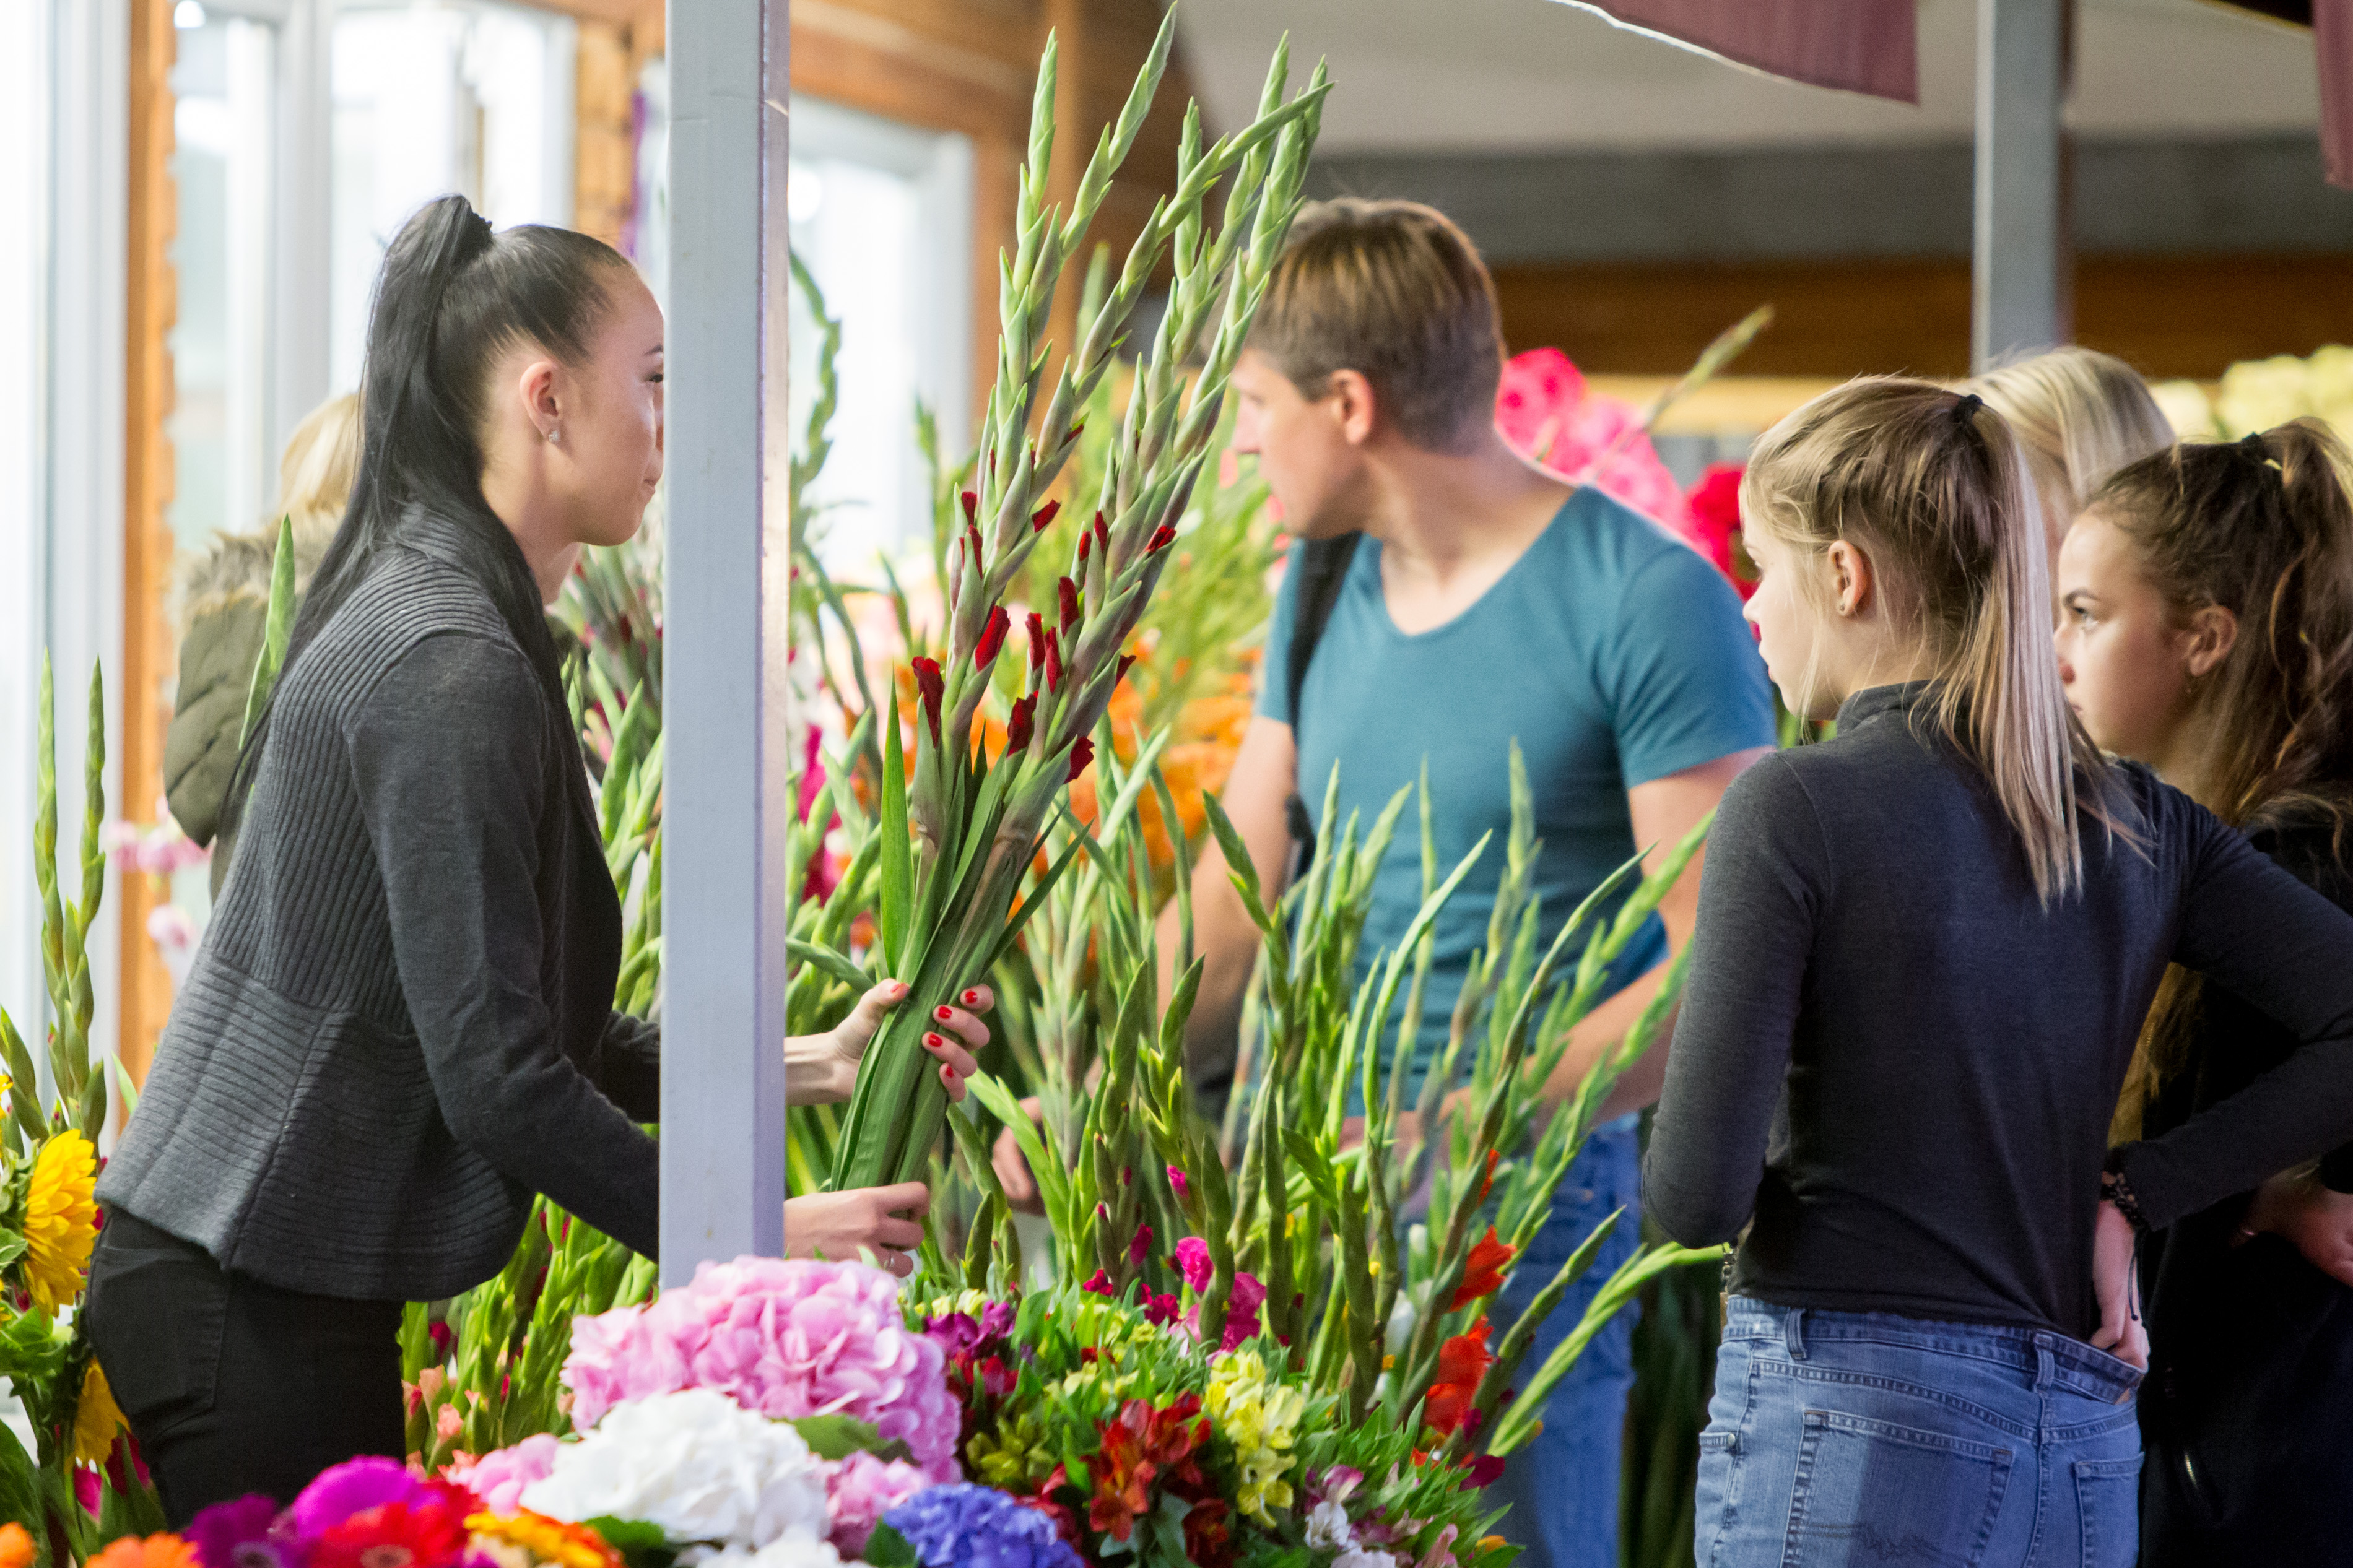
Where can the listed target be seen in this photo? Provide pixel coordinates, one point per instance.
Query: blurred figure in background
(2082, 415)
(225, 600)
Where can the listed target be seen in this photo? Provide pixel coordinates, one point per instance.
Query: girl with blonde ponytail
(1924, 950)
(2207, 630)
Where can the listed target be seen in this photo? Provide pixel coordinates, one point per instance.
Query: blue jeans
(1562, 1486)
(1852, 1438)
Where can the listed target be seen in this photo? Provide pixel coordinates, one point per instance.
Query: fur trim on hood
(235, 566)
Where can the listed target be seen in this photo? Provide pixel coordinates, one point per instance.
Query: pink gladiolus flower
(1242, 1311)
(1141, 1247)
(785, 1338)
(1193, 1262)
(1177, 1180)
(498, 1479)
(861, 1489)
(1100, 1285)
(1160, 1309)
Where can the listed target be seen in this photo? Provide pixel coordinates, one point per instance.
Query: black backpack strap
(1322, 567)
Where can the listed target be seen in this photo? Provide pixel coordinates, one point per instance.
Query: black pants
(233, 1386)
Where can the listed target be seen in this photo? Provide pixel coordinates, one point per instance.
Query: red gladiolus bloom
(1162, 538)
(1102, 532)
(1141, 1247)
(1125, 659)
(1100, 1285)
(1044, 516)
(1037, 628)
(930, 687)
(971, 500)
(1066, 595)
(1086, 543)
(1462, 1361)
(997, 1379)
(1081, 755)
(1053, 660)
(1485, 1470)
(1482, 1275)
(1017, 728)
(992, 637)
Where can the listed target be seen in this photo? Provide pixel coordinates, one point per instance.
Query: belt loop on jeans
(2045, 1368)
(1793, 1332)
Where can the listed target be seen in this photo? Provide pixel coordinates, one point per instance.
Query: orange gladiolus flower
(1462, 1361)
(1484, 1274)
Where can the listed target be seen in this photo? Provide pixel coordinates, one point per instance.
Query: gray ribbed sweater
(399, 1025)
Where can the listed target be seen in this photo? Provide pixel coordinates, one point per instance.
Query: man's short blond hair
(1396, 292)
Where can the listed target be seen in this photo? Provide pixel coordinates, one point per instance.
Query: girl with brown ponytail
(2207, 630)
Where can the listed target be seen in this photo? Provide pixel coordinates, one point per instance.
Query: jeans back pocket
(1870, 1493)
(2107, 1511)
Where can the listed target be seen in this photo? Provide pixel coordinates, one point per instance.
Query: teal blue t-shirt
(1612, 652)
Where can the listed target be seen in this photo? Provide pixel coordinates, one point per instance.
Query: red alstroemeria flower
(1206, 1541)
(1482, 1274)
(1123, 1481)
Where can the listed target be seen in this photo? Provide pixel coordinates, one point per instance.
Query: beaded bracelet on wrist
(2118, 1191)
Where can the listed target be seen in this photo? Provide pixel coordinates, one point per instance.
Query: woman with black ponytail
(2206, 628)
(399, 1027)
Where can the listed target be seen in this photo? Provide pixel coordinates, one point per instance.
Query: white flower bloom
(1357, 1557)
(698, 1466)
(794, 1551)
(1327, 1527)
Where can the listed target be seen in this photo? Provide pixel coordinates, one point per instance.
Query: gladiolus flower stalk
(961, 833)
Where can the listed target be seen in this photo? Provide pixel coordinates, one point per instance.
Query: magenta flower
(1100, 1285)
(1177, 1181)
(1141, 1247)
(354, 1487)
(1242, 1311)
(1160, 1309)
(1193, 1262)
(784, 1338)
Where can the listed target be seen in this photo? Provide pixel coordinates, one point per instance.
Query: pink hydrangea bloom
(861, 1489)
(784, 1337)
(498, 1479)
(1544, 408)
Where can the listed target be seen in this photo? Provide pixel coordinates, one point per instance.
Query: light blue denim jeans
(1866, 1439)
(1562, 1486)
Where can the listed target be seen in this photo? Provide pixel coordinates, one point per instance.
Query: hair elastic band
(1966, 411)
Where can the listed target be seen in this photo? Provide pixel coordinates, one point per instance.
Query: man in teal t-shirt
(1486, 603)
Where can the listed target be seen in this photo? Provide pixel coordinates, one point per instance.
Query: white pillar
(2022, 287)
(722, 1064)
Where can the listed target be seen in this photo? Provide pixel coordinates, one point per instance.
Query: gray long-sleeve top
(400, 1025)
(1903, 1066)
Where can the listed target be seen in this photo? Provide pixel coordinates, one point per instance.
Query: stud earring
(552, 432)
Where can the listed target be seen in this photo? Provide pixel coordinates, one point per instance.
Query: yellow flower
(548, 1539)
(60, 1219)
(96, 1419)
(1261, 1420)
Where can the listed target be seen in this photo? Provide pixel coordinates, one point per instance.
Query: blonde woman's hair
(1931, 485)
(2083, 415)
(321, 460)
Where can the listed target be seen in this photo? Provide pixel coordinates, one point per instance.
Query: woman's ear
(1850, 577)
(536, 389)
(2208, 639)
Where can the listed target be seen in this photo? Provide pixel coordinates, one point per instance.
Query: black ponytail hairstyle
(452, 298)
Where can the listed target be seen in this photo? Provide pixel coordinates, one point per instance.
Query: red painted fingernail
(935, 1042)
(972, 998)
(943, 1014)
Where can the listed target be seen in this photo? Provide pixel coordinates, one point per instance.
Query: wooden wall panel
(970, 66)
(148, 480)
(2168, 316)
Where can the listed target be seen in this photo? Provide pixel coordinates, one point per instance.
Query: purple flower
(1193, 1261)
(1242, 1311)
(954, 1332)
(238, 1535)
(350, 1487)
(995, 1320)
(978, 1527)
